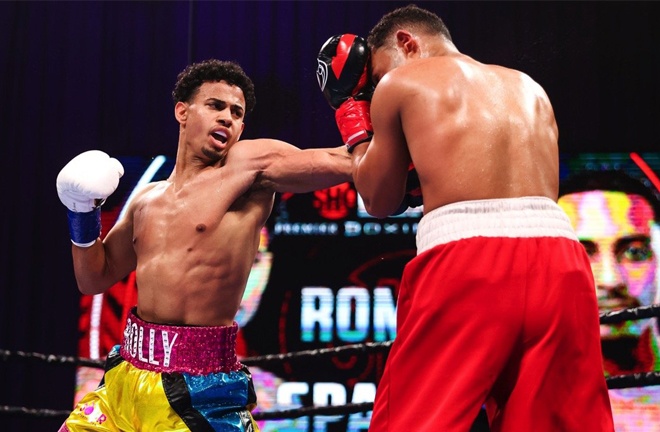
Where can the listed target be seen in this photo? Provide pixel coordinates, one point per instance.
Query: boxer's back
(477, 131)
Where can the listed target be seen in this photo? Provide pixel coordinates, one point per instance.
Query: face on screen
(616, 231)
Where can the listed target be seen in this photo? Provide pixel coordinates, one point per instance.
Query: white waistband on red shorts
(168, 348)
(506, 217)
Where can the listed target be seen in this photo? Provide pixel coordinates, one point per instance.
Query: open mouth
(220, 136)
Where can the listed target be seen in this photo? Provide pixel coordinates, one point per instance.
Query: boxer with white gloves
(191, 240)
(83, 186)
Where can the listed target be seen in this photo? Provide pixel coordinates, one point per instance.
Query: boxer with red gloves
(499, 307)
(343, 75)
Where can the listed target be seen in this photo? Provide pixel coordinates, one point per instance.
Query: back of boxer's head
(412, 18)
(194, 75)
(611, 181)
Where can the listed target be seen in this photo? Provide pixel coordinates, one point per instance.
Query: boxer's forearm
(90, 268)
(107, 261)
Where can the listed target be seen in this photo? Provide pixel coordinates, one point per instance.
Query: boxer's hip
(508, 217)
(190, 349)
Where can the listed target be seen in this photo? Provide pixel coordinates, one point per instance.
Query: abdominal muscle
(192, 266)
(188, 291)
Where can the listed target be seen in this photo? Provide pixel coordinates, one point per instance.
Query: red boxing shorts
(170, 378)
(497, 308)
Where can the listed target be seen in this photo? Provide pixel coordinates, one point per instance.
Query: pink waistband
(167, 348)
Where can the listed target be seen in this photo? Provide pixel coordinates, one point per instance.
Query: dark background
(76, 76)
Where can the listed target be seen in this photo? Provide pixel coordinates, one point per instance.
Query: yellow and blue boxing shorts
(170, 378)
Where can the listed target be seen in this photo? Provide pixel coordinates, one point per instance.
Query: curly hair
(410, 16)
(193, 76)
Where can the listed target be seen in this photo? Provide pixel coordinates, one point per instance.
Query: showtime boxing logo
(342, 210)
(335, 202)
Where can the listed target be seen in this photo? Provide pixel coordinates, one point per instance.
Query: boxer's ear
(407, 42)
(181, 112)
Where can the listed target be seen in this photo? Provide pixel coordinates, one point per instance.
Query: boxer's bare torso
(192, 239)
(473, 131)
(195, 245)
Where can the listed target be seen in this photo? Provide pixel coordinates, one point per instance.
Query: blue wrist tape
(85, 228)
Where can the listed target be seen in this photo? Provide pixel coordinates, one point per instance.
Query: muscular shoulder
(428, 77)
(431, 83)
(256, 154)
(516, 78)
(519, 86)
(143, 191)
(250, 159)
(140, 196)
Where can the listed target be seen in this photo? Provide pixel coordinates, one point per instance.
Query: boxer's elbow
(90, 289)
(379, 207)
(378, 201)
(380, 193)
(91, 284)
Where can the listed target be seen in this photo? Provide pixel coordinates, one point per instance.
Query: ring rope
(350, 408)
(636, 313)
(52, 358)
(641, 379)
(645, 379)
(614, 382)
(630, 314)
(364, 348)
(33, 412)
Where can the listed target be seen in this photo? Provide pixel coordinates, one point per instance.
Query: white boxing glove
(87, 180)
(83, 185)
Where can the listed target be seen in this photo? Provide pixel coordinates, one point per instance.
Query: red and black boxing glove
(413, 196)
(343, 75)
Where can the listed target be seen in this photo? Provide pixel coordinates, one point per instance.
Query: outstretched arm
(282, 167)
